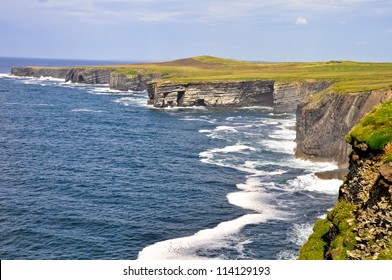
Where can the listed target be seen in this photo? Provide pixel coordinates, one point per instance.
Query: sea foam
(187, 247)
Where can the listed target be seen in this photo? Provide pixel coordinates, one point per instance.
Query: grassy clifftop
(375, 129)
(348, 76)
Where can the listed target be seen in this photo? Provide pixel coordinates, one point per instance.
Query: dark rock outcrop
(339, 174)
(322, 125)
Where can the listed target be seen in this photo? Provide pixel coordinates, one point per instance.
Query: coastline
(308, 113)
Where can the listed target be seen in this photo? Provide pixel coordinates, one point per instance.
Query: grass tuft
(375, 129)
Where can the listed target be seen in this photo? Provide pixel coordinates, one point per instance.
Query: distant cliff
(137, 82)
(282, 96)
(89, 75)
(37, 71)
(322, 124)
(360, 224)
(211, 94)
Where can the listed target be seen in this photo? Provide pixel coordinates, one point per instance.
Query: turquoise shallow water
(91, 173)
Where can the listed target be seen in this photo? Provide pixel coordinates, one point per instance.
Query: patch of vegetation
(388, 153)
(341, 216)
(318, 246)
(129, 72)
(375, 129)
(386, 254)
(315, 247)
(348, 76)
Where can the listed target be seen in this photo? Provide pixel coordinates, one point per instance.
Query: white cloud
(301, 21)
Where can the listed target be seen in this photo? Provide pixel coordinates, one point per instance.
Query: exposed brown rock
(386, 172)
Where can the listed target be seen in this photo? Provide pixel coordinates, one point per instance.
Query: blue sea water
(91, 173)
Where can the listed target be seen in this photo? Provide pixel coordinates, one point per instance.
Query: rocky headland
(360, 225)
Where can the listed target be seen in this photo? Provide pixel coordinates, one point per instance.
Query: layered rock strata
(211, 94)
(85, 75)
(35, 71)
(88, 75)
(287, 95)
(323, 124)
(124, 82)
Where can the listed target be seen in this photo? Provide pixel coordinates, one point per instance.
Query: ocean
(87, 172)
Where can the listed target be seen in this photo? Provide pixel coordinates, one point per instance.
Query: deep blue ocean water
(91, 173)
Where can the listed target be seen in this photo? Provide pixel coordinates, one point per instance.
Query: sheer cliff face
(124, 82)
(212, 94)
(55, 72)
(282, 96)
(88, 75)
(287, 95)
(322, 125)
(85, 75)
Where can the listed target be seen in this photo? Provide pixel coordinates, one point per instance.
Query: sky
(159, 30)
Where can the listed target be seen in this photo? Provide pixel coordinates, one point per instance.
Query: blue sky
(262, 30)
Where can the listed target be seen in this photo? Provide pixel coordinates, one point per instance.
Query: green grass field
(348, 76)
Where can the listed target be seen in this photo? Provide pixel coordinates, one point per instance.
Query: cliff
(360, 224)
(138, 82)
(88, 75)
(287, 95)
(35, 71)
(211, 94)
(85, 75)
(322, 124)
(282, 96)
